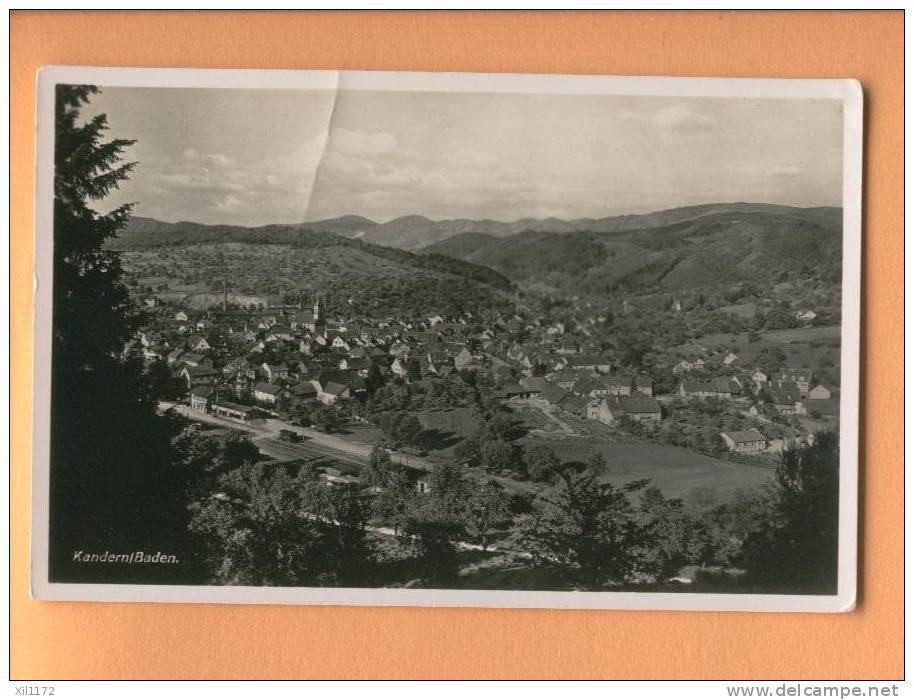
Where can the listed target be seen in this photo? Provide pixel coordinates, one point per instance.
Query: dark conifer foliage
(798, 553)
(115, 485)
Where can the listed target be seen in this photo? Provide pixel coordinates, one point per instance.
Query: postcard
(368, 338)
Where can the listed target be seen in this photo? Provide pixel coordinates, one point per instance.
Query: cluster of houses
(790, 391)
(284, 356)
(273, 357)
(786, 392)
(594, 396)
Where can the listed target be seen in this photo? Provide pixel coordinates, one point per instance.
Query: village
(347, 384)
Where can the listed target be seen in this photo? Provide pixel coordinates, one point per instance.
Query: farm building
(333, 391)
(198, 375)
(613, 386)
(232, 411)
(826, 408)
(745, 441)
(821, 391)
(594, 363)
(267, 393)
(801, 377)
(643, 409)
(197, 343)
(534, 385)
(784, 401)
(553, 394)
(512, 391)
(576, 405)
(723, 387)
(274, 372)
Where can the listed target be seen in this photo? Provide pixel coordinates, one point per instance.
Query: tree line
(283, 525)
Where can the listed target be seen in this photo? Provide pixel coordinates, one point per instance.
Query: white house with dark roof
(192, 376)
(200, 398)
(745, 441)
(462, 359)
(340, 343)
(398, 367)
(197, 343)
(331, 392)
(272, 373)
(267, 393)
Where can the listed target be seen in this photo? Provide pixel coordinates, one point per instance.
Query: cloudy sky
(264, 156)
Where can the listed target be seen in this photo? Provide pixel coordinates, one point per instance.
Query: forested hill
(288, 259)
(716, 246)
(141, 232)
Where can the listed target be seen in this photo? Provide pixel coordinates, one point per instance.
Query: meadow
(674, 470)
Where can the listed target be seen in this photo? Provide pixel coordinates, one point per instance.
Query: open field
(803, 335)
(786, 337)
(448, 427)
(804, 347)
(361, 434)
(674, 470)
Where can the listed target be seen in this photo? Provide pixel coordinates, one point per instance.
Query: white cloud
(229, 204)
(471, 159)
(198, 181)
(218, 160)
(196, 185)
(362, 142)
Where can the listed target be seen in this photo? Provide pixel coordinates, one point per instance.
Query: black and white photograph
(446, 339)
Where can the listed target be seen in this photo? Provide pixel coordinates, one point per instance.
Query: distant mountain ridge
(667, 251)
(414, 232)
(350, 225)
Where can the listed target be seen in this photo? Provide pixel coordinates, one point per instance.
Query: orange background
(92, 640)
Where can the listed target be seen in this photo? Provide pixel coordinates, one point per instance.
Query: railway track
(306, 450)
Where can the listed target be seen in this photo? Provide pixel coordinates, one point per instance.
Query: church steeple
(317, 309)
